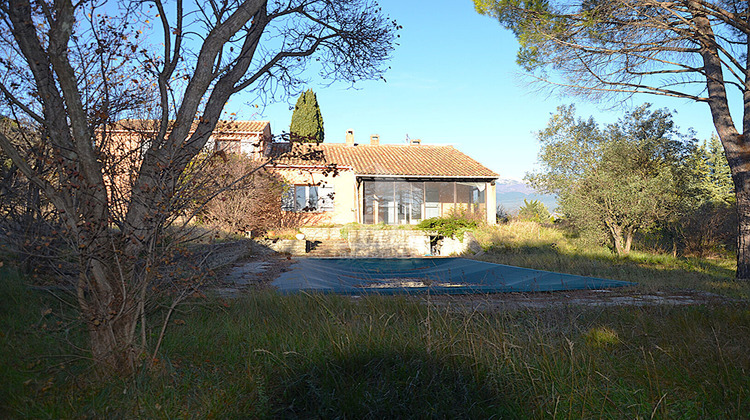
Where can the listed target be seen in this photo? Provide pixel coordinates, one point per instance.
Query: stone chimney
(415, 142)
(374, 140)
(350, 137)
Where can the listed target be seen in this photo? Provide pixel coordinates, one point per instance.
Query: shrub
(245, 203)
(534, 211)
(447, 226)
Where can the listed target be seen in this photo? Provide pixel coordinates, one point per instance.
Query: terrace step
(329, 248)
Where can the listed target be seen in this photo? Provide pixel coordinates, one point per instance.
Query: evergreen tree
(307, 121)
(719, 174)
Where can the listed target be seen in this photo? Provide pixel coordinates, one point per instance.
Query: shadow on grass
(382, 383)
(650, 271)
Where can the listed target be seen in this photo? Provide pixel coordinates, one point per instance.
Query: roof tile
(391, 160)
(222, 127)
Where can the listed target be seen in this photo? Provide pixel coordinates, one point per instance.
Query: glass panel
(300, 197)
(368, 194)
(417, 201)
(379, 205)
(403, 202)
(464, 196)
(446, 198)
(312, 198)
(386, 205)
(432, 199)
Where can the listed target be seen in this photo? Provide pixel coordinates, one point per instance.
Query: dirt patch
(251, 273)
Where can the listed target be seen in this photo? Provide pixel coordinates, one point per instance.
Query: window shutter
(325, 198)
(287, 198)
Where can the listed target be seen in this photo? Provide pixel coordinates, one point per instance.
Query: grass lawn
(311, 356)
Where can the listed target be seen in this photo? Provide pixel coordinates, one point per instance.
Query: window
(307, 198)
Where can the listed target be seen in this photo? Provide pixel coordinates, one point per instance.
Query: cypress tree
(307, 121)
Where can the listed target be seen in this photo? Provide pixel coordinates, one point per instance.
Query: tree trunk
(620, 245)
(108, 295)
(735, 144)
(628, 241)
(113, 345)
(743, 228)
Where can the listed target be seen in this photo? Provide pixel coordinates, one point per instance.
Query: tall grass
(311, 356)
(529, 244)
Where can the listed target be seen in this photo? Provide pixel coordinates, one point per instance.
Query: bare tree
(72, 69)
(245, 203)
(692, 49)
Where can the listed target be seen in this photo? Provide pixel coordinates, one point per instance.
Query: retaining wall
(394, 242)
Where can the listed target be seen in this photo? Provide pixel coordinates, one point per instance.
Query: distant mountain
(507, 185)
(510, 194)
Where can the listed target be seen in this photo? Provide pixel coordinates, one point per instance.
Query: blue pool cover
(422, 275)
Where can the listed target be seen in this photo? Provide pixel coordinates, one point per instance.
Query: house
(248, 137)
(127, 140)
(382, 183)
(340, 183)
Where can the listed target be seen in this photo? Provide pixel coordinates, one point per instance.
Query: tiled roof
(391, 160)
(242, 126)
(222, 127)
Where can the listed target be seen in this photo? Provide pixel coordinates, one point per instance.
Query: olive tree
(73, 69)
(619, 180)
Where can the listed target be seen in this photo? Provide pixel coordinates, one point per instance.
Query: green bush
(534, 211)
(449, 227)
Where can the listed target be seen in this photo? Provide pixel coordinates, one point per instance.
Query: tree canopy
(690, 49)
(617, 181)
(307, 121)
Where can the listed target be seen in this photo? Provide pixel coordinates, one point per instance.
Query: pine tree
(720, 176)
(307, 121)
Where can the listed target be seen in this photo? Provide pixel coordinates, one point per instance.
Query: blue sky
(453, 80)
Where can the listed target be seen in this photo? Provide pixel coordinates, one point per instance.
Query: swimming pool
(423, 275)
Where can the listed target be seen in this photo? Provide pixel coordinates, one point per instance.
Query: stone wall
(381, 243)
(452, 246)
(388, 243)
(321, 234)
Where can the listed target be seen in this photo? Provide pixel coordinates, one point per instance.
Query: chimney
(415, 142)
(374, 140)
(350, 137)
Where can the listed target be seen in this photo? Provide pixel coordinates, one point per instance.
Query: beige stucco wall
(345, 204)
(347, 200)
(491, 199)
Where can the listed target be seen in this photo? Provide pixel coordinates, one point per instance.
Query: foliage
(449, 227)
(501, 214)
(122, 106)
(307, 121)
(715, 175)
(707, 220)
(695, 50)
(245, 199)
(617, 181)
(534, 211)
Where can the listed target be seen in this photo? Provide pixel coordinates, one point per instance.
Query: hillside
(510, 194)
